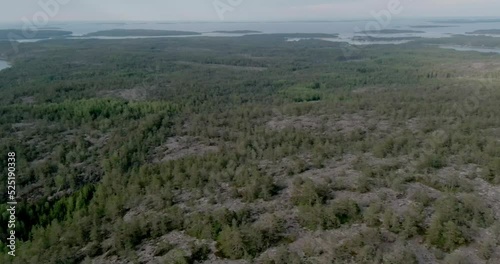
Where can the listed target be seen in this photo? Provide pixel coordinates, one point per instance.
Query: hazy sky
(15, 10)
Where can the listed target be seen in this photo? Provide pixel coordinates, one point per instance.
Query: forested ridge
(206, 149)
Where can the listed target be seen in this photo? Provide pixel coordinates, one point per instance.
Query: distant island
(486, 31)
(467, 21)
(389, 31)
(110, 23)
(140, 33)
(432, 26)
(369, 38)
(17, 34)
(296, 35)
(49, 28)
(237, 31)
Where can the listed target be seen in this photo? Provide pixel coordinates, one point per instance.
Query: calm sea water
(3, 65)
(346, 29)
(341, 27)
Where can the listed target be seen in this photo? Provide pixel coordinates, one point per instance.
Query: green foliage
(454, 220)
(208, 226)
(261, 187)
(283, 256)
(239, 240)
(492, 171)
(366, 246)
(331, 216)
(371, 215)
(401, 255)
(431, 161)
(303, 94)
(306, 192)
(231, 242)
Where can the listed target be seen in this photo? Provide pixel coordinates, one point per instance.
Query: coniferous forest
(251, 149)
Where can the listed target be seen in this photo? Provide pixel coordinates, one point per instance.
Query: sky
(237, 10)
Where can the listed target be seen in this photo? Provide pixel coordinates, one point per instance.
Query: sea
(348, 30)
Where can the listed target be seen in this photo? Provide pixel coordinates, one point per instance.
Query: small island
(50, 28)
(140, 33)
(17, 34)
(296, 35)
(390, 31)
(466, 21)
(486, 32)
(432, 26)
(111, 23)
(377, 39)
(237, 31)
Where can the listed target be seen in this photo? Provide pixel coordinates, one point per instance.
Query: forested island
(49, 28)
(292, 35)
(467, 21)
(15, 34)
(140, 33)
(390, 31)
(371, 38)
(431, 26)
(251, 149)
(486, 32)
(464, 40)
(237, 31)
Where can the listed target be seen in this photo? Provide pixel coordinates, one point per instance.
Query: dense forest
(252, 149)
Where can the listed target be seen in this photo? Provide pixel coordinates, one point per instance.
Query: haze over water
(346, 28)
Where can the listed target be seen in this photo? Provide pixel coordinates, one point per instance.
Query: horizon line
(347, 19)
